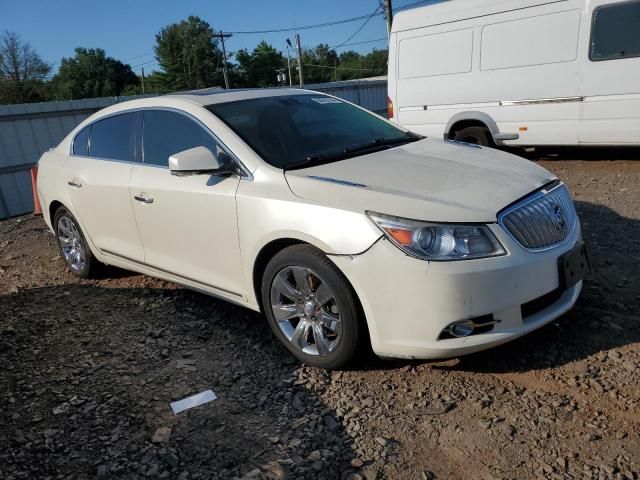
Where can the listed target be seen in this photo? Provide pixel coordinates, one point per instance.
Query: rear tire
(475, 135)
(311, 307)
(73, 245)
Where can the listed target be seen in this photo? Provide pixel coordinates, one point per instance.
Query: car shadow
(88, 373)
(578, 153)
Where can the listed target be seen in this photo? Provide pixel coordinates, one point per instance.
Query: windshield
(296, 131)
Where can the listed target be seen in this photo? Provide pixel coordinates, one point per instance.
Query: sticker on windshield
(323, 100)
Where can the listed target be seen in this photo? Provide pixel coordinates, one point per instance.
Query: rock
(615, 355)
(437, 407)
(357, 463)
(297, 403)
(428, 475)
(592, 437)
(370, 473)
(161, 435)
(315, 456)
(170, 457)
(185, 363)
(152, 471)
(367, 402)
(485, 423)
(331, 423)
(508, 430)
(60, 409)
(255, 473)
(382, 441)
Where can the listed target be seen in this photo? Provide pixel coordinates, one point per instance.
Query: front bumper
(408, 302)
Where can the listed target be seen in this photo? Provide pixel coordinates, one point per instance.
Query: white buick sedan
(341, 227)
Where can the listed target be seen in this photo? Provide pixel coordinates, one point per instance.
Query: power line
(305, 27)
(368, 19)
(362, 42)
(137, 56)
(416, 4)
(342, 68)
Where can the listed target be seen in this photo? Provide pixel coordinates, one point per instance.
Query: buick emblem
(558, 217)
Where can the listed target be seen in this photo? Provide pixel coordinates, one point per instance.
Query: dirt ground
(88, 369)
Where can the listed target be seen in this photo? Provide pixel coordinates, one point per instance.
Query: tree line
(189, 57)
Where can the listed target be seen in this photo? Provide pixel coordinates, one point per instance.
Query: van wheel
(311, 307)
(475, 135)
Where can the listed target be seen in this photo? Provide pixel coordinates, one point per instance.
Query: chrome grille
(541, 220)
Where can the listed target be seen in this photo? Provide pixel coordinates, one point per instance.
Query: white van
(518, 72)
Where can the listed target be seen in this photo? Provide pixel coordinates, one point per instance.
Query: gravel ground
(88, 369)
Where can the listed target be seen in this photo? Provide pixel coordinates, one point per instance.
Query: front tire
(73, 246)
(475, 135)
(311, 307)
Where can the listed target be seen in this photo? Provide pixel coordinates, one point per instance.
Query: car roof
(208, 96)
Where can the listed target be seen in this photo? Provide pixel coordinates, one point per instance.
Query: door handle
(74, 183)
(143, 198)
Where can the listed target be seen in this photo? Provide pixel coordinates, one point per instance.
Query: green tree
(23, 72)
(155, 83)
(259, 68)
(319, 64)
(353, 65)
(91, 73)
(188, 55)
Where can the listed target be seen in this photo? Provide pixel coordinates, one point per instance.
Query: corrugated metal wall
(28, 130)
(368, 93)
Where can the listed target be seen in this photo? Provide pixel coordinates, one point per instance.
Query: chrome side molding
(507, 103)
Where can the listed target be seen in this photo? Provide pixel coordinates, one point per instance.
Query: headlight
(439, 242)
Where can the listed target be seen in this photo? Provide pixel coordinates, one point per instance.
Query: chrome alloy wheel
(305, 310)
(71, 243)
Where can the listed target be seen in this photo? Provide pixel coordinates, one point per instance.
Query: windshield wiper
(385, 142)
(349, 152)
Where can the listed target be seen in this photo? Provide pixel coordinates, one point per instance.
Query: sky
(126, 29)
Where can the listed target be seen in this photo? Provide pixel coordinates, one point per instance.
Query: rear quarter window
(81, 142)
(113, 138)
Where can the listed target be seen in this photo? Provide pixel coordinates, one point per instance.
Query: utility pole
(221, 35)
(143, 80)
(299, 59)
(388, 13)
(289, 65)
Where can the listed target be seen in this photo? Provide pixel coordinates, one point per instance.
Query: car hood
(426, 180)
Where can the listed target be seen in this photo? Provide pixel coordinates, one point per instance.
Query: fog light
(469, 326)
(462, 329)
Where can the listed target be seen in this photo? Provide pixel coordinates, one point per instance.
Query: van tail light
(389, 108)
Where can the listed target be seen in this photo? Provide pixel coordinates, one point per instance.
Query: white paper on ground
(193, 401)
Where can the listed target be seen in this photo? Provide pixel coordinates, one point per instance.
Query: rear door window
(615, 33)
(81, 142)
(165, 133)
(114, 138)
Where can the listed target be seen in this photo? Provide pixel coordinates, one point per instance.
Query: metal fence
(28, 130)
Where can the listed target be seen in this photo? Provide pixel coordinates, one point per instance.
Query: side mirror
(200, 160)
